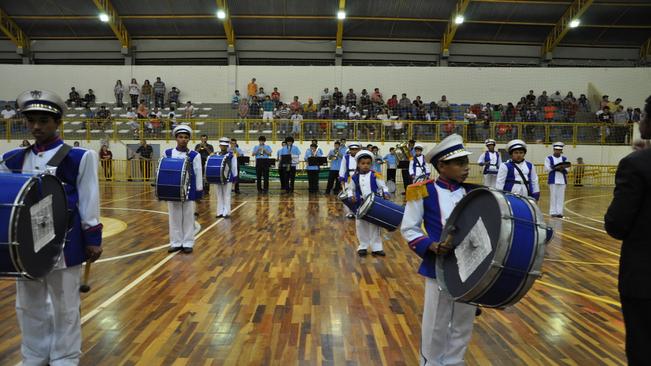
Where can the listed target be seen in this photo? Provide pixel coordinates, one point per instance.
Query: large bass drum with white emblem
(499, 245)
(33, 224)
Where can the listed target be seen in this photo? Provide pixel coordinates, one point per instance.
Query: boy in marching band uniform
(447, 325)
(181, 214)
(491, 161)
(224, 190)
(313, 170)
(346, 170)
(518, 175)
(335, 156)
(363, 183)
(557, 180)
(417, 166)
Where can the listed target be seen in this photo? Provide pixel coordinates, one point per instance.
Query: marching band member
(335, 156)
(224, 190)
(261, 153)
(237, 152)
(181, 214)
(417, 165)
(313, 170)
(557, 180)
(518, 175)
(281, 170)
(290, 170)
(364, 182)
(491, 161)
(346, 170)
(392, 164)
(48, 309)
(446, 325)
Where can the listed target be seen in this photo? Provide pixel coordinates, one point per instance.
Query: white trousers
(556, 198)
(368, 235)
(490, 180)
(223, 199)
(181, 224)
(446, 327)
(48, 316)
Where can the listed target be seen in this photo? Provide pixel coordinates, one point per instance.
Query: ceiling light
(459, 19)
(575, 23)
(221, 14)
(104, 17)
(341, 15)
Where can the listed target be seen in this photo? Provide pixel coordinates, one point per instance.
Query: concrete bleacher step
(207, 108)
(68, 131)
(71, 115)
(78, 108)
(238, 131)
(266, 131)
(76, 123)
(203, 116)
(124, 131)
(200, 123)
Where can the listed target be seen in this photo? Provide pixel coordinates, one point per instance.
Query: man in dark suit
(628, 220)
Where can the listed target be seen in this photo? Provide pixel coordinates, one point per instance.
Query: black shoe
(362, 252)
(380, 253)
(187, 250)
(350, 216)
(559, 216)
(478, 312)
(327, 192)
(218, 216)
(173, 249)
(227, 216)
(196, 214)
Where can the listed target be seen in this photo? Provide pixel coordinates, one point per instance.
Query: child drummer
(224, 190)
(365, 182)
(518, 175)
(181, 214)
(446, 325)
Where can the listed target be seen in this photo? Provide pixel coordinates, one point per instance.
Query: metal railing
(364, 130)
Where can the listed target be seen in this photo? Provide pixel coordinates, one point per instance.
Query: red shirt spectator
(275, 95)
(295, 106)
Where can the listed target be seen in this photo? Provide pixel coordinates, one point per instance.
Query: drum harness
(524, 180)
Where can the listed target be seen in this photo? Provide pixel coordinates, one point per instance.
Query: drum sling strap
(524, 179)
(59, 156)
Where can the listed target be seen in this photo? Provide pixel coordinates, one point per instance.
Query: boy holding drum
(365, 182)
(224, 190)
(447, 325)
(518, 175)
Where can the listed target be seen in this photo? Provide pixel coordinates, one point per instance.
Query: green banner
(247, 174)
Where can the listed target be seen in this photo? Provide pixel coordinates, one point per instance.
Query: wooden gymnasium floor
(280, 284)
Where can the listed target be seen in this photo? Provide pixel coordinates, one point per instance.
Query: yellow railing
(145, 170)
(328, 130)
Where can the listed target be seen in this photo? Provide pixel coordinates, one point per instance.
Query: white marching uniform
(368, 235)
(491, 162)
(181, 214)
(346, 170)
(447, 325)
(418, 167)
(508, 179)
(557, 182)
(224, 190)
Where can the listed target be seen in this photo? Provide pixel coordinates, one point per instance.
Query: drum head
(39, 225)
(478, 222)
(226, 169)
(391, 186)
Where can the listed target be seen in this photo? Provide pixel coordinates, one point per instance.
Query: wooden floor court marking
(125, 198)
(578, 214)
(588, 244)
(582, 262)
(579, 293)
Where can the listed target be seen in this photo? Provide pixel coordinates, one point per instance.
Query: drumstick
(84, 286)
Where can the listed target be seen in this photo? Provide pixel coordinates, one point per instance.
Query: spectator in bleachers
(89, 98)
(88, 113)
(377, 98)
(142, 110)
(542, 100)
(283, 113)
(616, 104)
(236, 99)
(351, 98)
(604, 102)
(510, 113)
(295, 105)
(134, 92)
(570, 107)
(243, 113)
(521, 110)
(261, 94)
(604, 115)
(254, 108)
(620, 120)
(275, 97)
(337, 97)
(340, 111)
(419, 111)
(8, 113)
(365, 103)
(154, 124)
(354, 114)
(75, 144)
(549, 110)
(404, 106)
(146, 153)
(309, 109)
(620, 117)
(118, 92)
(268, 111)
(297, 121)
(25, 143)
(73, 98)
(556, 98)
(251, 90)
(147, 93)
(171, 118)
(634, 115)
(131, 120)
(189, 110)
(103, 117)
(583, 104)
(159, 93)
(325, 98)
(531, 98)
(173, 97)
(392, 104)
(471, 119)
(444, 107)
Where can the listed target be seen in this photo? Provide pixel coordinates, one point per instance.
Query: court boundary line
(579, 293)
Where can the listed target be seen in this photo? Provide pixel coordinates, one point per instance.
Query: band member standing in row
(48, 309)
(446, 325)
(181, 214)
(224, 190)
(204, 149)
(406, 178)
(365, 182)
(313, 170)
(281, 171)
(237, 152)
(518, 175)
(262, 153)
(557, 180)
(290, 169)
(392, 164)
(335, 155)
(491, 161)
(347, 169)
(417, 166)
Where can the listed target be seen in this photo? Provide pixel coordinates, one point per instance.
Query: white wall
(216, 83)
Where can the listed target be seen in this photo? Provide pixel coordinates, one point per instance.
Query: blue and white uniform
(557, 181)
(224, 190)
(346, 171)
(491, 162)
(509, 178)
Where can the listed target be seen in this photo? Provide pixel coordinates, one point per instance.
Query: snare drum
(381, 212)
(499, 245)
(343, 197)
(218, 169)
(33, 224)
(173, 179)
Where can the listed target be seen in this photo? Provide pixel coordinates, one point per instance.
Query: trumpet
(402, 152)
(336, 155)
